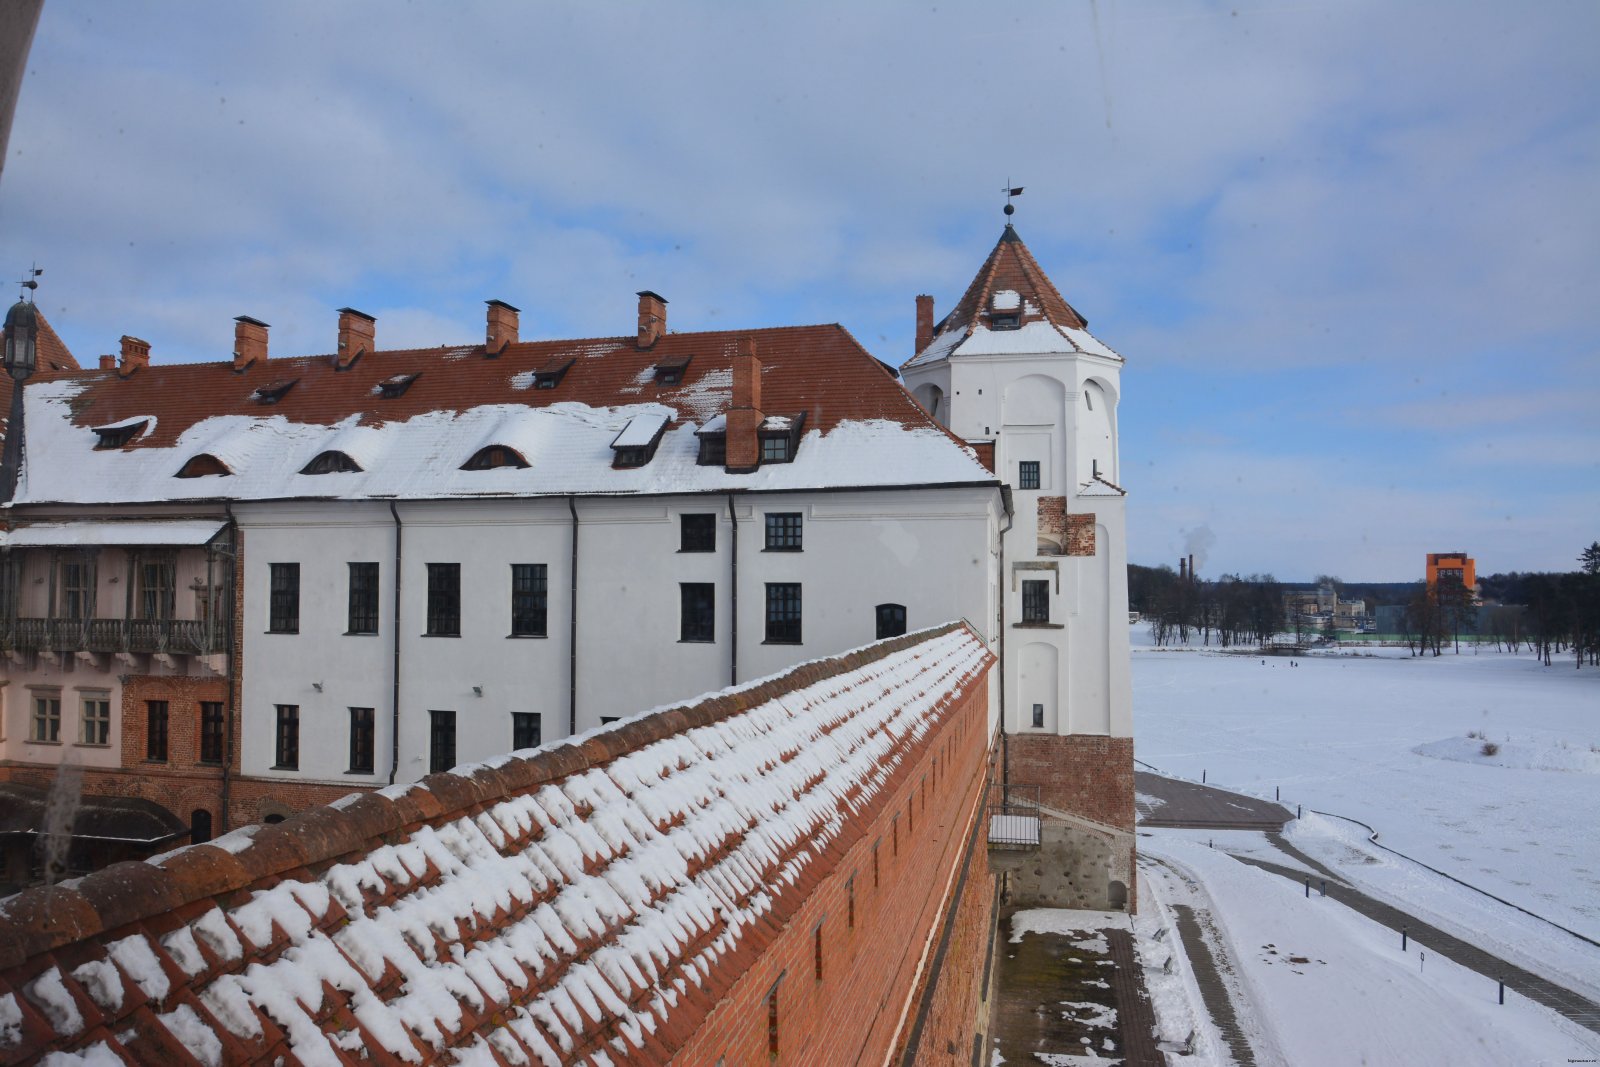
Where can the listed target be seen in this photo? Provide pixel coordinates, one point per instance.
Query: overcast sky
(1351, 251)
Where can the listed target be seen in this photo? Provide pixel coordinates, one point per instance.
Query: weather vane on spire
(1010, 191)
(28, 283)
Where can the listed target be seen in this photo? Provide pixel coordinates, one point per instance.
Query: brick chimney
(356, 332)
(652, 317)
(924, 322)
(502, 327)
(249, 342)
(108, 362)
(135, 354)
(745, 416)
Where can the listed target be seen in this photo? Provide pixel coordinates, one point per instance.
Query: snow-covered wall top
(584, 896)
(862, 428)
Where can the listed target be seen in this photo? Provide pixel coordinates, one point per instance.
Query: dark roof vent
(332, 462)
(492, 456)
(120, 434)
(397, 385)
(670, 371)
(203, 466)
(273, 392)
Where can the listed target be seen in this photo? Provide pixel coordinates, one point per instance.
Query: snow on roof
(589, 898)
(1098, 486)
(641, 430)
(863, 429)
(1007, 300)
(149, 532)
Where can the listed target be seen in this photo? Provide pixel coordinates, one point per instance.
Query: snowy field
(1380, 737)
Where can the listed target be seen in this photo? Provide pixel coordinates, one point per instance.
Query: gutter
(572, 627)
(1005, 746)
(733, 583)
(394, 712)
(233, 665)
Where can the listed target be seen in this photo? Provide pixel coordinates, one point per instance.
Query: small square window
(1035, 601)
(775, 449)
(526, 730)
(95, 725)
(698, 611)
(784, 532)
(1028, 474)
(697, 533)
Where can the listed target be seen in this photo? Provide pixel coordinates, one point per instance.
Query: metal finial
(28, 283)
(1010, 191)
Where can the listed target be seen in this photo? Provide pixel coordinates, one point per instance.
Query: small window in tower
(1004, 322)
(1088, 400)
(1028, 474)
(1038, 716)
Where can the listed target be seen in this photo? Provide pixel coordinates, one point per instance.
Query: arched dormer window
(203, 466)
(332, 462)
(493, 456)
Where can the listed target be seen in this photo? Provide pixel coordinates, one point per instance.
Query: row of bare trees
(1230, 610)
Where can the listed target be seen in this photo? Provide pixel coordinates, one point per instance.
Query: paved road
(1190, 805)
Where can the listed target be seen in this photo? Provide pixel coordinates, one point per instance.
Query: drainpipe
(733, 584)
(394, 696)
(572, 627)
(1005, 747)
(233, 667)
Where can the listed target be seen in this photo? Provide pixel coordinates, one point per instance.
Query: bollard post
(1202, 776)
(1308, 889)
(1277, 792)
(1298, 811)
(1502, 990)
(1403, 939)
(1324, 887)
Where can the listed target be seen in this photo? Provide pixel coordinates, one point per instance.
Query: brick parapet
(1089, 776)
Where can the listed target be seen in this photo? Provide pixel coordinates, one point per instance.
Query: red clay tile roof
(585, 903)
(1011, 266)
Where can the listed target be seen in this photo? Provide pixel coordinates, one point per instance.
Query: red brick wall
(864, 1005)
(1083, 775)
(1080, 535)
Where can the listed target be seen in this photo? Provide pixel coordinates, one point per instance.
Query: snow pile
(1524, 755)
(581, 915)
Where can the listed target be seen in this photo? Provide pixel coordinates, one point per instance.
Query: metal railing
(191, 637)
(1013, 817)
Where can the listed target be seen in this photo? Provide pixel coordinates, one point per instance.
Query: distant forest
(1550, 614)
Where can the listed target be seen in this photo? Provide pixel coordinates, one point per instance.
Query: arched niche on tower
(1038, 689)
(1032, 410)
(932, 399)
(1097, 431)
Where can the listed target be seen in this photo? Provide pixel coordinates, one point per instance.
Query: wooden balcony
(187, 637)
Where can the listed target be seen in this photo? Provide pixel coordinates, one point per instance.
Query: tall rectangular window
(783, 613)
(77, 590)
(698, 611)
(1035, 601)
(94, 725)
(526, 730)
(288, 747)
(284, 604)
(530, 589)
(772, 1022)
(361, 740)
(783, 531)
(441, 741)
(697, 533)
(1028, 474)
(444, 600)
(891, 620)
(363, 615)
(46, 724)
(155, 730)
(157, 588)
(211, 731)
(816, 952)
(1038, 716)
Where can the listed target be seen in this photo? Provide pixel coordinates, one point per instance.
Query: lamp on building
(21, 359)
(477, 690)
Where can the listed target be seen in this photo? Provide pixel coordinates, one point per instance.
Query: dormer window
(549, 376)
(119, 434)
(332, 462)
(273, 392)
(780, 437)
(493, 456)
(390, 388)
(203, 465)
(670, 372)
(1005, 322)
(637, 442)
(713, 450)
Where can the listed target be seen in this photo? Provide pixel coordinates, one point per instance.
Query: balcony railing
(1013, 817)
(189, 637)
